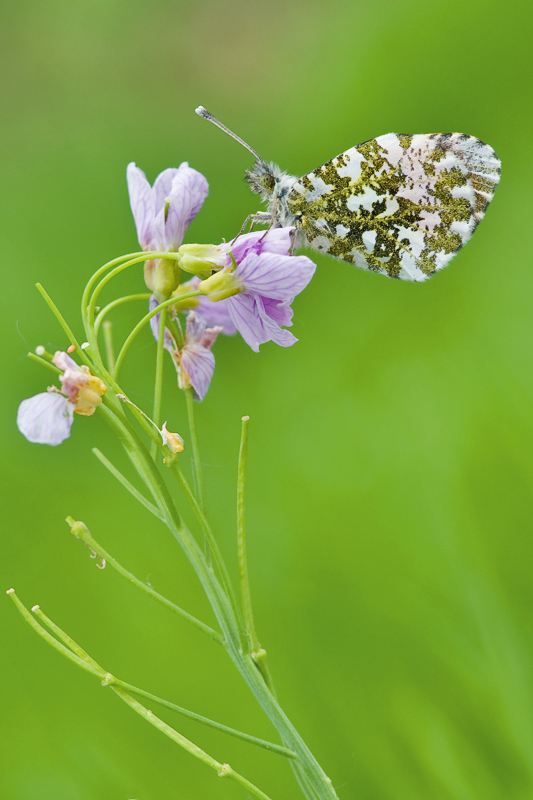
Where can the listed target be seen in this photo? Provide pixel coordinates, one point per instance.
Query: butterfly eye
(267, 181)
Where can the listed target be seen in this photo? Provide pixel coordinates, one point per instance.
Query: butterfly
(401, 205)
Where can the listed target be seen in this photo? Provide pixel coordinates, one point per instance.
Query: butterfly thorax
(274, 185)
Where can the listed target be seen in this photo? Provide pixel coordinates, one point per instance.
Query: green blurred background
(391, 448)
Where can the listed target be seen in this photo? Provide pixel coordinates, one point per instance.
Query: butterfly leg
(260, 216)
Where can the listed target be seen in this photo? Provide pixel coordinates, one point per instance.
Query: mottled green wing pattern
(401, 205)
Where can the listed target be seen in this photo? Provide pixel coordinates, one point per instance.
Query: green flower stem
(246, 737)
(241, 539)
(258, 653)
(172, 462)
(92, 280)
(144, 421)
(57, 314)
(45, 363)
(110, 306)
(112, 680)
(82, 659)
(80, 662)
(127, 485)
(90, 313)
(156, 485)
(81, 532)
(310, 775)
(222, 770)
(108, 339)
(143, 322)
(158, 383)
(67, 640)
(197, 462)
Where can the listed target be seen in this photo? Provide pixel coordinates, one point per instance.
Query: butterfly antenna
(205, 114)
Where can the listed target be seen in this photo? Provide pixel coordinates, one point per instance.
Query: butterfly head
(262, 179)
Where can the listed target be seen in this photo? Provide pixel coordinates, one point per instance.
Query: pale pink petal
(154, 325)
(163, 185)
(142, 204)
(63, 361)
(45, 418)
(195, 328)
(199, 364)
(276, 240)
(209, 337)
(185, 199)
(272, 275)
(253, 323)
(279, 310)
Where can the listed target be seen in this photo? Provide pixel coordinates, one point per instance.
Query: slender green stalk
(45, 363)
(246, 737)
(57, 314)
(241, 539)
(82, 659)
(115, 271)
(108, 339)
(197, 462)
(127, 485)
(113, 680)
(67, 640)
(143, 322)
(310, 775)
(80, 662)
(110, 306)
(222, 770)
(258, 653)
(81, 532)
(158, 383)
(99, 272)
(172, 462)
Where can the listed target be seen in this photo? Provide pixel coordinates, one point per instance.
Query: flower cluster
(248, 284)
(47, 417)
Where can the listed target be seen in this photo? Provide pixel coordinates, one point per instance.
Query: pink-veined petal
(45, 418)
(163, 186)
(279, 310)
(185, 199)
(154, 325)
(189, 190)
(254, 324)
(199, 364)
(277, 240)
(272, 275)
(142, 204)
(194, 328)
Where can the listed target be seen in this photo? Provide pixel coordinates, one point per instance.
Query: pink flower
(195, 363)
(164, 211)
(162, 214)
(259, 285)
(47, 417)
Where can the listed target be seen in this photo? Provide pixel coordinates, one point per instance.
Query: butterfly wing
(401, 205)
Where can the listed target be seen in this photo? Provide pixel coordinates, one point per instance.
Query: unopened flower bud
(221, 285)
(201, 259)
(172, 440)
(149, 270)
(166, 278)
